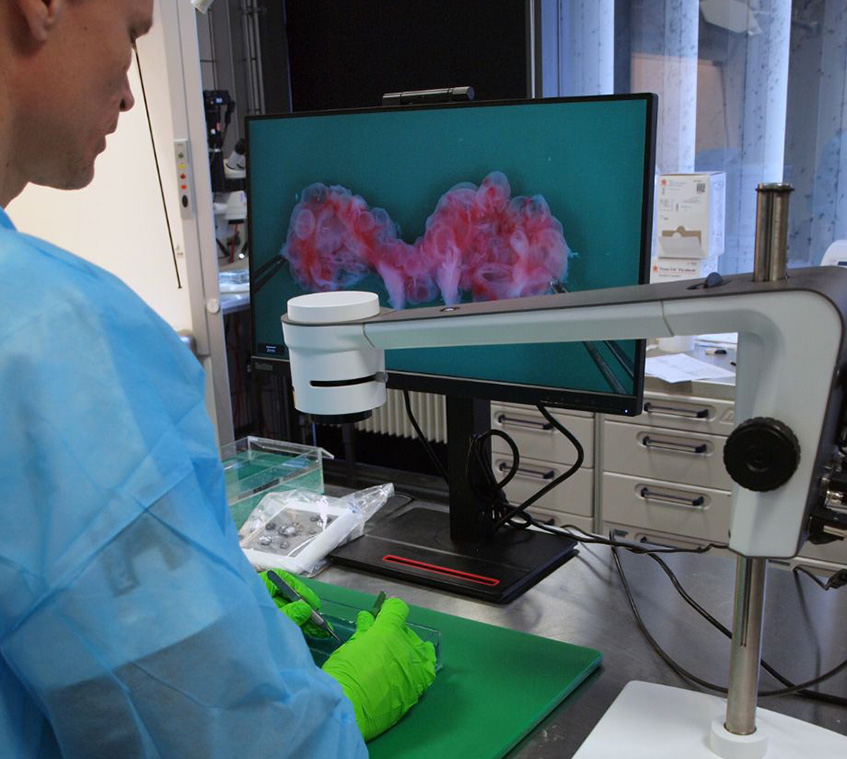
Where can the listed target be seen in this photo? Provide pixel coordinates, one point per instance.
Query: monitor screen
(451, 203)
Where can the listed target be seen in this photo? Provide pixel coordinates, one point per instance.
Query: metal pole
(746, 653)
(533, 49)
(770, 264)
(771, 251)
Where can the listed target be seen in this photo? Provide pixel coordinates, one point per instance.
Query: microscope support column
(771, 258)
(792, 350)
(746, 652)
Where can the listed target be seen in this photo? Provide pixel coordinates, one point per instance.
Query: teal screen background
(586, 157)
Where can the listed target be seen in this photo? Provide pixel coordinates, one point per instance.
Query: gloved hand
(297, 611)
(383, 669)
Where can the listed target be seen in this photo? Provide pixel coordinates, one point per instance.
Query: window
(755, 88)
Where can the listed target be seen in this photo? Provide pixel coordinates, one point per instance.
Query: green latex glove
(297, 611)
(383, 669)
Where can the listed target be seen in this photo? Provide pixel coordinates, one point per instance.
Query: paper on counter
(679, 367)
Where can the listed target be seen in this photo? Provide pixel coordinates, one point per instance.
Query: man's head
(63, 84)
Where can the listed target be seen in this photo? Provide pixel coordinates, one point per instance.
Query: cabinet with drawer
(545, 454)
(665, 454)
(701, 415)
(656, 477)
(697, 512)
(536, 438)
(663, 470)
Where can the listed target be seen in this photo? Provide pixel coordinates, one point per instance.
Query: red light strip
(435, 568)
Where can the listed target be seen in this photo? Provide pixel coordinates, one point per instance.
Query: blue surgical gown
(131, 624)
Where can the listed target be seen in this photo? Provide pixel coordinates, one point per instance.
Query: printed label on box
(691, 215)
(671, 269)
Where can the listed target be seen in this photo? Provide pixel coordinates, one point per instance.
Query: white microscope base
(649, 721)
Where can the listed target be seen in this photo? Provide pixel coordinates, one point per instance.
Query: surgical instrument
(292, 595)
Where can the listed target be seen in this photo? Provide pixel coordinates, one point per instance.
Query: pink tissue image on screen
(479, 241)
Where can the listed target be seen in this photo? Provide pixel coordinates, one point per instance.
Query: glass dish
(255, 466)
(342, 617)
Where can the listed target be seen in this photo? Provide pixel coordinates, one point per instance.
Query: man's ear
(40, 16)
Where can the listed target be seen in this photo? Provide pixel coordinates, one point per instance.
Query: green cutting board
(494, 686)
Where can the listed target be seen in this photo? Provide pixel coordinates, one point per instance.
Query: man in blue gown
(130, 623)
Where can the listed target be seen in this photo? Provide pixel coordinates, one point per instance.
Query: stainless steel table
(583, 603)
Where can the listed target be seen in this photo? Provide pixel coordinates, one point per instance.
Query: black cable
(158, 170)
(482, 480)
(799, 689)
(490, 490)
(603, 367)
(504, 515)
(520, 510)
(682, 672)
(813, 695)
(266, 272)
(626, 362)
(582, 536)
(817, 580)
(808, 683)
(837, 580)
(407, 400)
(613, 346)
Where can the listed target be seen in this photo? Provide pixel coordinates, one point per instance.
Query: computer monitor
(447, 203)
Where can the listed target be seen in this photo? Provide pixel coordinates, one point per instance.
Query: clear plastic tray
(255, 466)
(342, 617)
(234, 276)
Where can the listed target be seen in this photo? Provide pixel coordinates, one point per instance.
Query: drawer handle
(687, 413)
(671, 445)
(519, 422)
(534, 474)
(677, 500)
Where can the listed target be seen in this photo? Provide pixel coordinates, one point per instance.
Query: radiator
(391, 419)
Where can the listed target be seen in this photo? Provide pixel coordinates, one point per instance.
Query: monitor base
(416, 547)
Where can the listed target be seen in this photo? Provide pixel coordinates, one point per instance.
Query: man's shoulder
(21, 253)
(40, 279)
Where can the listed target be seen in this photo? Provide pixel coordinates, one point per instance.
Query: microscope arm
(791, 350)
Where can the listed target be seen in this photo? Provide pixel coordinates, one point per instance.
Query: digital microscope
(785, 454)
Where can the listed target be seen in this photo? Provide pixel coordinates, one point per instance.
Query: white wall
(118, 221)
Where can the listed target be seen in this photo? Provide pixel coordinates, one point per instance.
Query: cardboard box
(691, 215)
(673, 269)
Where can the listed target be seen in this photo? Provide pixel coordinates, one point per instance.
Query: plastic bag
(296, 529)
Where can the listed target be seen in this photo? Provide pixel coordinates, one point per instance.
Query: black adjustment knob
(761, 454)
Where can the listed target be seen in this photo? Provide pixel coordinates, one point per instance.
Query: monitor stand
(449, 551)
